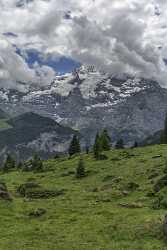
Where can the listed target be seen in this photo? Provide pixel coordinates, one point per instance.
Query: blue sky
(60, 65)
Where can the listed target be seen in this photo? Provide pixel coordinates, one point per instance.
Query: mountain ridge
(89, 100)
(30, 133)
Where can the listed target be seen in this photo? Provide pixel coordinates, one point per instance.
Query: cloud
(45, 74)
(114, 35)
(12, 66)
(15, 72)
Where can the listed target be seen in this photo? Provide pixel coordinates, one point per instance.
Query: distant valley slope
(29, 133)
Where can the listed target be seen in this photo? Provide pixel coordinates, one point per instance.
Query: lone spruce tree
(9, 163)
(87, 150)
(135, 145)
(119, 144)
(74, 147)
(105, 140)
(97, 147)
(20, 165)
(163, 139)
(37, 164)
(80, 171)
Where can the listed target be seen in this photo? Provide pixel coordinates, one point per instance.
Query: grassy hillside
(113, 208)
(3, 114)
(4, 124)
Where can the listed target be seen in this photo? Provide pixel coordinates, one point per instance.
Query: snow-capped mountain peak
(89, 100)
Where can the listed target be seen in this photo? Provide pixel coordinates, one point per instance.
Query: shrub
(35, 191)
(132, 186)
(23, 188)
(161, 199)
(160, 183)
(102, 157)
(43, 194)
(119, 144)
(38, 212)
(37, 164)
(9, 163)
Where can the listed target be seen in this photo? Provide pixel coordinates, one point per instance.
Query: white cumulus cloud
(119, 36)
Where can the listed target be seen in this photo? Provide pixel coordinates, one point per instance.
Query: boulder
(115, 159)
(131, 205)
(102, 157)
(132, 186)
(4, 194)
(38, 212)
(94, 189)
(106, 187)
(161, 183)
(3, 186)
(108, 178)
(24, 188)
(44, 194)
(33, 190)
(153, 175)
(125, 192)
(156, 156)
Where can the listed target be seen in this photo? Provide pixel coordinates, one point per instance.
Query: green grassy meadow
(103, 211)
(4, 124)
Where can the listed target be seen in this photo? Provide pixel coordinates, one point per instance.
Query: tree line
(35, 164)
(102, 143)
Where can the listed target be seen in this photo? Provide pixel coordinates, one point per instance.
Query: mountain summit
(89, 100)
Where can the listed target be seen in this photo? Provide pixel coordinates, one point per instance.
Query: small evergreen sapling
(105, 140)
(97, 147)
(165, 169)
(37, 164)
(163, 138)
(87, 150)
(119, 144)
(9, 163)
(20, 165)
(135, 144)
(80, 171)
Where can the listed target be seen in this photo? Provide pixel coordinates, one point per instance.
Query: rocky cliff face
(89, 100)
(30, 133)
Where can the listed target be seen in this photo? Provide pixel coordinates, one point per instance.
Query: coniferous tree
(105, 140)
(27, 166)
(97, 146)
(9, 163)
(80, 171)
(119, 144)
(37, 164)
(74, 146)
(165, 169)
(20, 165)
(135, 144)
(87, 149)
(163, 138)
